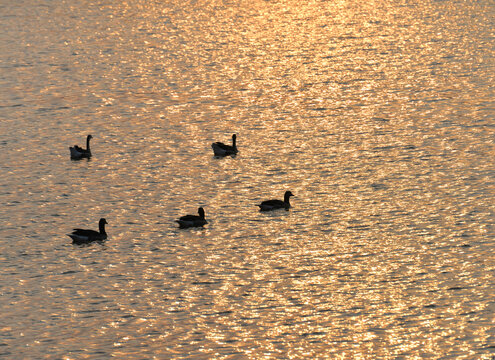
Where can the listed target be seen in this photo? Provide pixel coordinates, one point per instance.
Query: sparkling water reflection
(377, 116)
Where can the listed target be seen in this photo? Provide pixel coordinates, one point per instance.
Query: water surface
(377, 116)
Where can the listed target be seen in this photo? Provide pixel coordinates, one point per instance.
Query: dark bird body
(276, 204)
(77, 152)
(82, 236)
(221, 149)
(192, 220)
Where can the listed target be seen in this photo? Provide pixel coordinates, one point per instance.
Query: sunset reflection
(375, 115)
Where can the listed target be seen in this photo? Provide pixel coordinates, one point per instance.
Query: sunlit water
(377, 115)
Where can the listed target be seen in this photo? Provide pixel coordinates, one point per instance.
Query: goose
(81, 236)
(276, 204)
(193, 220)
(220, 149)
(78, 152)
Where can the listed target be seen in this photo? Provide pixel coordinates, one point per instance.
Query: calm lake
(378, 116)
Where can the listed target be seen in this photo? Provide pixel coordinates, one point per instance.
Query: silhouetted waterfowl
(81, 236)
(220, 149)
(276, 204)
(192, 220)
(78, 152)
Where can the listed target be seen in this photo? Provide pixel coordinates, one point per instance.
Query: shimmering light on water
(378, 116)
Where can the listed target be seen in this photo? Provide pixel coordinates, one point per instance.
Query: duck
(193, 220)
(220, 149)
(277, 204)
(78, 152)
(82, 236)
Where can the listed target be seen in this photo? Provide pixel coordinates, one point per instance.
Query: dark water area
(378, 116)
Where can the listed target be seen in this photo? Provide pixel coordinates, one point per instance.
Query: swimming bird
(82, 236)
(192, 220)
(276, 204)
(220, 149)
(78, 152)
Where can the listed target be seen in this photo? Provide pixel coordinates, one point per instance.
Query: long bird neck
(233, 141)
(87, 143)
(102, 228)
(286, 198)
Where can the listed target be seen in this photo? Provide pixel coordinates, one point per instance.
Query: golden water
(378, 116)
